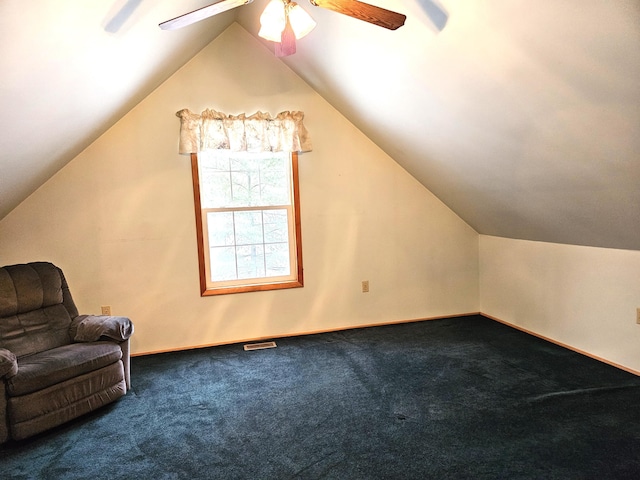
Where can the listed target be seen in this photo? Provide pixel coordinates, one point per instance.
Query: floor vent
(259, 346)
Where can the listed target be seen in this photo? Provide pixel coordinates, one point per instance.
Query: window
(247, 220)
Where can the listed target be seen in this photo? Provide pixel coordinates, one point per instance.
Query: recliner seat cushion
(50, 367)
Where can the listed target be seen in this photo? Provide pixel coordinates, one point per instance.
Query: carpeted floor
(455, 398)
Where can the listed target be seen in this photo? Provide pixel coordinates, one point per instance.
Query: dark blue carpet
(454, 398)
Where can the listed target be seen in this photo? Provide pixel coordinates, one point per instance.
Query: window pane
(277, 259)
(215, 182)
(275, 181)
(245, 188)
(275, 187)
(245, 174)
(212, 161)
(223, 264)
(249, 227)
(250, 261)
(276, 227)
(244, 180)
(221, 229)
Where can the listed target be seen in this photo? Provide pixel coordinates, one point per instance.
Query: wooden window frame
(205, 290)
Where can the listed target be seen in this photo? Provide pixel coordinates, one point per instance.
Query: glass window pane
(246, 188)
(215, 181)
(214, 161)
(244, 180)
(276, 226)
(244, 162)
(217, 189)
(223, 264)
(220, 228)
(250, 261)
(277, 259)
(275, 189)
(248, 225)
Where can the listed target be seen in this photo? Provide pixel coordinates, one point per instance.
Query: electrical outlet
(106, 310)
(365, 286)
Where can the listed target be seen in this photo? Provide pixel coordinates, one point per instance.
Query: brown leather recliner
(55, 365)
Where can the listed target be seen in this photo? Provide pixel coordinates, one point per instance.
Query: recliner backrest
(36, 308)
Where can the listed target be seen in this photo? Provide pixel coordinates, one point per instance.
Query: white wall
(119, 219)
(584, 297)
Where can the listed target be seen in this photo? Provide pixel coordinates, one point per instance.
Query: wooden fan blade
(202, 13)
(363, 11)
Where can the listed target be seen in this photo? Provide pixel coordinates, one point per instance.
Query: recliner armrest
(89, 328)
(8, 363)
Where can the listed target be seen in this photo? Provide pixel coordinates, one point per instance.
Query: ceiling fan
(284, 21)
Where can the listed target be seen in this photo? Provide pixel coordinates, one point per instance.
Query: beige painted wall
(119, 219)
(584, 297)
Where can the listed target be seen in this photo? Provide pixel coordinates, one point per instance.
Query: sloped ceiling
(523, 117)
(71, 69)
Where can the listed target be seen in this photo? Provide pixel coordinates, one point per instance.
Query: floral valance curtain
(259, 132)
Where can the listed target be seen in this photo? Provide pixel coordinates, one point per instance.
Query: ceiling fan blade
(363, 11)
(202, 13)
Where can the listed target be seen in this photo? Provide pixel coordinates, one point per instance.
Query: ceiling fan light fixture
(273, 21)
(301, 21)
(287, 45)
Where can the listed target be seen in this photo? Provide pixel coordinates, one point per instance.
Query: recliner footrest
(35, 412)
